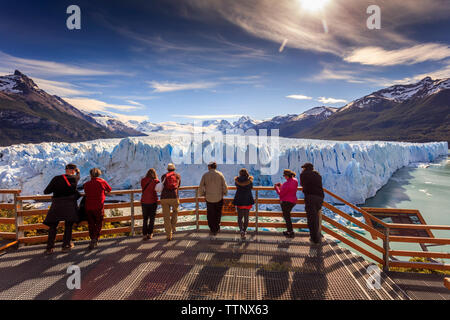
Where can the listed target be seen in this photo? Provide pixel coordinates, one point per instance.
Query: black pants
(287, 207)
(214, 215)
(149, 213)
(243, 219)
(313, 204)
(52, 234)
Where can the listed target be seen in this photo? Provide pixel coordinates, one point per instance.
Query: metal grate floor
(194, 266)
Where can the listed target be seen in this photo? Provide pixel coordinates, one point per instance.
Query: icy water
(425, 188)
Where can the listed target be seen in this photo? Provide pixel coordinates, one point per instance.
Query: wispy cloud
(135, 103)
(331, 100)
(59, 88)
(346, 21)
(207, 117)
(378, 56)
(125, 117)
(39, 68)
(94, 105)
(299, 97)
(161, 87)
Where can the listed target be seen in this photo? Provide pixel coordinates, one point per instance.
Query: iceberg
(352, 170)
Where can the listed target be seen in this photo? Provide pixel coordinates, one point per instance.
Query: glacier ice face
(352, 170)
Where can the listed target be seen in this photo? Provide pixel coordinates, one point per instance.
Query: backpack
(171, 181)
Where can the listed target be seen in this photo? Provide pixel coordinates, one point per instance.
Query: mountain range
(30, 115)
(417, 112)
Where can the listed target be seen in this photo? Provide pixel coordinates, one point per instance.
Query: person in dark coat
(243, 199)
(149, 203)
(95, 191)
(63, 208)
(311, 181)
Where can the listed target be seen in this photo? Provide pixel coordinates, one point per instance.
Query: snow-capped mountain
(415, 112)
(115, 125)
(401, 93)
(294, 122)
(28, 114)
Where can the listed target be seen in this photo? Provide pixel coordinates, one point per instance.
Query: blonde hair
(95, 172)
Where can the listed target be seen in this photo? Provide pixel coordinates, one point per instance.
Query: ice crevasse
(352, 170)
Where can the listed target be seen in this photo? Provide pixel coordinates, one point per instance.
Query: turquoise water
(425, 188)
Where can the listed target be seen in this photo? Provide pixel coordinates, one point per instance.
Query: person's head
(170, 167)
(212, 165)
(308, 166)
(95, 172)
(288, 174)
(243, 173)
(71, 169)
(151, 174)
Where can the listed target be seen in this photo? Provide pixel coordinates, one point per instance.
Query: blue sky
(174, 60)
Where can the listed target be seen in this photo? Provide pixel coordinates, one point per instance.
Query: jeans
(313, 206)
(287, 207)
(52, 234)
(95, 223)
(149, 213)
(170, 218)
(243, 219)
(214, 215)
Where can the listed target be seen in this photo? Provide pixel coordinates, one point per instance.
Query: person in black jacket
(243, 199)
(64, 206)
(311, 181)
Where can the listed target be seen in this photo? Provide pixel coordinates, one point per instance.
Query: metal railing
(384, 255)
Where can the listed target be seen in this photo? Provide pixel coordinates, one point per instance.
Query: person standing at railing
(63, 208)
(311, 181)
(149, 203)
(95, 193)
(170, 200)
(288, 199)
(213, 187)
(243, 199)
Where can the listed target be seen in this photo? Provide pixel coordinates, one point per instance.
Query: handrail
(385, 251)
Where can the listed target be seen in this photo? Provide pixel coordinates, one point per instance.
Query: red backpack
(171, 181)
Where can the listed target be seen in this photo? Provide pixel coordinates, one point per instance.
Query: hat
(170, 167)
(308, 165)
(71, 166)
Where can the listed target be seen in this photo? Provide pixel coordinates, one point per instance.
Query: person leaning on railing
(288, 199)
(170, 200)
(243, 199)
(311, 181)
(214, 187)
(63, 208)
(149, 203)
(95, 193)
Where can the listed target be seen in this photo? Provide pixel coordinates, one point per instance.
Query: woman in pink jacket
(288, 199)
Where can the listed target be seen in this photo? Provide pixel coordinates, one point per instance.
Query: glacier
(353, 170)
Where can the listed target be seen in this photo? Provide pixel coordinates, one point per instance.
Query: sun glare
(313, 5)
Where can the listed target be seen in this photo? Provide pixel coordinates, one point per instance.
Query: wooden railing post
(132, 213)
(18, 206)
(256, 210)
(386, 250)
(197, 212)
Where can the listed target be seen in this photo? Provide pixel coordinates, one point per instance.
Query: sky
(180, 60)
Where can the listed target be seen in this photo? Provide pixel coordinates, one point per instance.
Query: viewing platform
(198, 266)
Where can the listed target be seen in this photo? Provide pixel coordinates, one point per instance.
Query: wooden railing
(383, 254)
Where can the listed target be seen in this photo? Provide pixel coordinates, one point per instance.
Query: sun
(313, 5)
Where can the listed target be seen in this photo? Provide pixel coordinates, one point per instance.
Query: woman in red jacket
(95, 193)
(149, 203)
